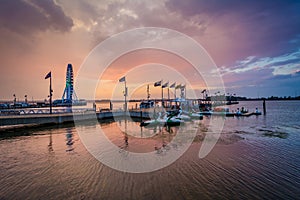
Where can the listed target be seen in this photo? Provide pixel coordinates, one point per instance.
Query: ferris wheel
(69, 94)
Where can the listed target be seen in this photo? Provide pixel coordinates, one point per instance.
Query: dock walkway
(40, 119)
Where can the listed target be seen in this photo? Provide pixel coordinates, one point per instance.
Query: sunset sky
(255, 44)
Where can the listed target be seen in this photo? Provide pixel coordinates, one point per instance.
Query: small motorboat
(196, 116)
(206, 113)
(173, 121)
(184, 117)
(179, 114)
(193, 115)
(256, 113)
(163, 120)
(152, 122)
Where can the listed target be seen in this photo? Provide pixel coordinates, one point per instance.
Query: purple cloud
(30, 16)
(263, 28)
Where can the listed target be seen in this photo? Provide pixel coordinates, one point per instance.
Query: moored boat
(163, 120)
(193, 115)
(174, 122)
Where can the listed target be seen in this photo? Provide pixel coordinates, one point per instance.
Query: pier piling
(264, 107)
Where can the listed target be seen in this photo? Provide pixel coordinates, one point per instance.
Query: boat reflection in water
(69, 140)
(149, 137)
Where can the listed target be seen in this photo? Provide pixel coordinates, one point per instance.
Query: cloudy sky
(255, 44)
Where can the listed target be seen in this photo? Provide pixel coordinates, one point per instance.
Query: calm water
(255, 158)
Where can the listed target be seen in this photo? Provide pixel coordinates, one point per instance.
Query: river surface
(256, 157)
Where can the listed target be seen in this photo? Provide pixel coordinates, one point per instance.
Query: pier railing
(43, 111)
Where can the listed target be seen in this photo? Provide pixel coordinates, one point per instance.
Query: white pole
(125, 95)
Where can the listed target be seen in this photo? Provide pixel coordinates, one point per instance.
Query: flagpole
(125, 97)
(169, 95)
(50, 94)
(126, 137)
(162, 96)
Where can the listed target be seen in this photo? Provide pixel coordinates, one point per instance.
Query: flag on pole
(173, 85)
(165, 85)
(48, 75)
(178, 86)
(158, 83)
(122, 79)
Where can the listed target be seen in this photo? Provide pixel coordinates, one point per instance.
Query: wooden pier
(41, 119)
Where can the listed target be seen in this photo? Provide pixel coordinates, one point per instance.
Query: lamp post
(50, 94)
(125, 95)
(50, 90)
(123, 79)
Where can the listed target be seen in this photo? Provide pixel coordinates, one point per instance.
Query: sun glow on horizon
(145, 67)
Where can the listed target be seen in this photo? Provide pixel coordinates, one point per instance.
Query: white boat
(163, 120)
(184, 117)
(173, 121)
(152, 122)
(193, 115)
(196, 116)
(206, 112)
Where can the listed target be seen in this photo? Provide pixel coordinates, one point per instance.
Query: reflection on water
(50, 143)
(123, 147)
(250, 161)
(69, 139)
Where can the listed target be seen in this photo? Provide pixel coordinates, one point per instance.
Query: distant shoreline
(238, 98)
(269, 99)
